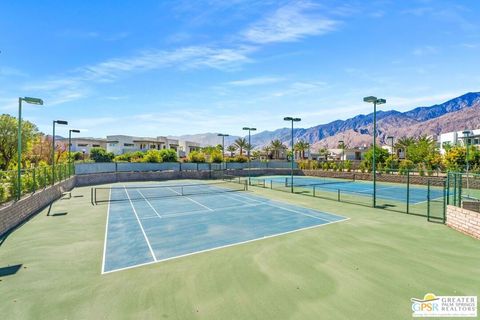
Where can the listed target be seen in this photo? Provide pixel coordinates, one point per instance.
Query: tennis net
(146, 192)
(305, 182)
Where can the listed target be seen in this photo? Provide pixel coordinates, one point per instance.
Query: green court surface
(368, 267)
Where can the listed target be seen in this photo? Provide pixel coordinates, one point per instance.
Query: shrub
(325, 166)
(348, 165)
(241, 159)
(168, 155)
(216, 157)
(196, 156)
(101, 155)
(152, 156)
(406, 165)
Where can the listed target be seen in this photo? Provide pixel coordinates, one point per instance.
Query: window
(128, 145)
(112, 144)
(152, 146)
(82, 145)
(96, 145)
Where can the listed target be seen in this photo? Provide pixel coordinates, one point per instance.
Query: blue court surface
(152, 224)
(385, 191)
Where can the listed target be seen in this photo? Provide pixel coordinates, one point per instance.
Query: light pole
(249, 147)
(291, 171)
(223, 135)
(375, 102)
(19, 140)
(63, 122)
(70, 148)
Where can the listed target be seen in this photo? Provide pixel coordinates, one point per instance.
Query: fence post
(444, 202)
(34, 178)
(460, 185)
(314, 190)
(455, 189)
(408, 191)
(447, 185)
(44, 177)
(338, 194)
(428, 200)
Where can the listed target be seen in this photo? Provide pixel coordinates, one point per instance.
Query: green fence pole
(338, 194)
(460, 185)
(455, 189)
(408, 191)
(446, 190)
(428, 200)
(444, 202)
(34, 178)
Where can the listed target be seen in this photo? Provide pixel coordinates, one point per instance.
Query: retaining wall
(463, 220)
(16, 212)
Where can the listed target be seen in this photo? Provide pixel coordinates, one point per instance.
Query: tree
(231, 148)
(324, 153)
(403, 143)
(101, 155)
(302, 146)
(277, 146)
(420, 150)
(267, 150)
(381, 156)
(241, 144)
(41, 149)
(9, 138)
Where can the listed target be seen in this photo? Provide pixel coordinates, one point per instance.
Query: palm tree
(301, 146)
(277, 146)
(403, 143)
(267, 150)
(324, 152)
(241, 143)
(231, 148)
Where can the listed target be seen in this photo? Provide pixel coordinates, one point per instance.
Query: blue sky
(183, 67)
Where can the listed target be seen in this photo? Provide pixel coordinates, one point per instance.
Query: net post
(286, 182)
(245, 185)
(314, 188)
(338, 194)
(271, 184)
(182, 191)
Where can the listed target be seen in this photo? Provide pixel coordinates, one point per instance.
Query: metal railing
(32, 180)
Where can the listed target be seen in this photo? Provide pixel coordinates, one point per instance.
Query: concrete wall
(463, 220)
(14, 213)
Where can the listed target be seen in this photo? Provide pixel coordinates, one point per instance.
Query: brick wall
(463, 220)
(14, 213)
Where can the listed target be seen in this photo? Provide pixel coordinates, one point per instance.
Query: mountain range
(454, 115)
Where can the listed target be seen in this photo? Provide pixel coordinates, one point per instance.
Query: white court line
(158, 214)
(141, 226)
(106, 231)
(226, 246)
(209, 209)
(269, 203)
(186, 213)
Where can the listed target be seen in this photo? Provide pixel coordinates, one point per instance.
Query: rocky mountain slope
(456, 114)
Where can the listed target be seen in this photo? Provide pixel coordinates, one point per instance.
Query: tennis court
(149, 223)
(386, 191)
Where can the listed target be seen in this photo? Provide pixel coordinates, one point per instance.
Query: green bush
(241, 159)
(168, 155)
(196, 156)
(152, 156)
(216, 156)
(101, 155)
(348, 165)
(405, 165)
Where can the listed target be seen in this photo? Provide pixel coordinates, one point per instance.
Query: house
(83, 145)
(472, 137)
(120, 144)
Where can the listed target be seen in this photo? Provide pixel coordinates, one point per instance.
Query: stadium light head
(75, 130)
(31, 100)
(370, 99)
(250, 129)
(297, 119)
(61, 122)
(223, 135)
(381, 101)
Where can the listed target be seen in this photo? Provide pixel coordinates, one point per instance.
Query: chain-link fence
(32, 180)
